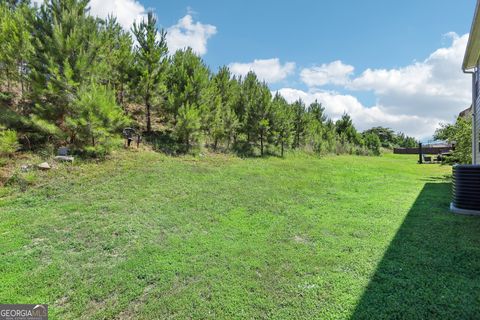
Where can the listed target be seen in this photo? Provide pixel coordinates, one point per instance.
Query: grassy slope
(149, 236)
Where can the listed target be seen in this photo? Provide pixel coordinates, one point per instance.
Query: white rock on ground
(44, 166)
(64, 158)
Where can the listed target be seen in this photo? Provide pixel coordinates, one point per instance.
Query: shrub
(187, 129)
(101, 149)
(8, 142)
(372, 142)
(97, 119)
(459, 133)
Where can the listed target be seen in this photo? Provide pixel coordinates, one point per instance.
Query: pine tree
(96, 117)
(345, 129)
(7, 49)
(150, 61)
(258, 110)
(315, 126)
(224, 122)
(329, 136)
(230, 125)
(15, 43)
(188, 124)
(187, 83)
(299, 122)
(117, 57)
(217, 124)
(65, 56)
(372, 142)
(283, 122)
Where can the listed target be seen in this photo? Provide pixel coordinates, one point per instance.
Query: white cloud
(435, 86)
(335, 72)
(412, 99)
(187, 33)
(126, 11)
(269, 70)
(364, 117)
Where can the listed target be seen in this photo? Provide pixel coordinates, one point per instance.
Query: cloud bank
(187, 33)
(335, 72)
(269, 70)
(413, 99)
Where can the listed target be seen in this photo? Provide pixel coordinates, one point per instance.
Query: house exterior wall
(476, 117)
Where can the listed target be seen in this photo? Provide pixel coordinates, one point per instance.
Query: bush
(461, 134)
(372, 142)
(102, 149)
(8, 142)
(96, 121)
(187, 129)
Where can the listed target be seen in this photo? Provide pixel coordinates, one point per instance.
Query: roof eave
(473, 46)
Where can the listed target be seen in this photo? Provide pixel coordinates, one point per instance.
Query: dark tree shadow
(431, 269)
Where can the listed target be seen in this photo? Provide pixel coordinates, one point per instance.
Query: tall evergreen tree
(257, 99)
(346, 130)
(315, 126)
(65, 55)
(15, 43)
(299, 122)
(151, 62)
(96, 117)
(224, 122)
(117, 57)
(187, 83)
(187, 128)
(283, 125)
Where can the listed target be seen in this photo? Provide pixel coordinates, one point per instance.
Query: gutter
(473, 71)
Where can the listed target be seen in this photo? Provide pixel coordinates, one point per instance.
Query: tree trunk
(282, 149)
(149, 123)
(122, 98)
(261, 144)
(215, 143)
(21, 72)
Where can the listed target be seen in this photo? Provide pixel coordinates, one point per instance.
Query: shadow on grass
(431, 269)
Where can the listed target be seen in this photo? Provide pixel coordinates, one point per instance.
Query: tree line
(69, 78)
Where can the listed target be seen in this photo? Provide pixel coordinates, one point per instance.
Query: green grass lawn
(149, 236)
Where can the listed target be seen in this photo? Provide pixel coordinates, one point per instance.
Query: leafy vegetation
(8, 142)
(76, 72)
(390, 139)
(146, 235)
(150, 58)
(459, 134)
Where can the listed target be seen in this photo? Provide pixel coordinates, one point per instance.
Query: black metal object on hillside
(130, 134)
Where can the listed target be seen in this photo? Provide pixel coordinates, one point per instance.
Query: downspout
(474, 115)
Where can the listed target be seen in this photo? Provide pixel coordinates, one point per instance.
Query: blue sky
(391, 63)
(378, 34)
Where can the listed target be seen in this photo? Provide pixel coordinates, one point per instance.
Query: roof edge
(474, 31)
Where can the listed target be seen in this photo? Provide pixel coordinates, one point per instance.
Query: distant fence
(425, 150)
